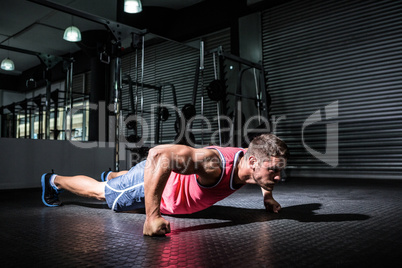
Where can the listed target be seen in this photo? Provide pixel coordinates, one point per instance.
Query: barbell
(163, 114)
(188, 111)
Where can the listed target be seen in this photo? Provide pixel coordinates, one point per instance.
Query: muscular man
(177, 179)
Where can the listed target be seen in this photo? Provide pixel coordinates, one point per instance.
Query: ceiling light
(132, 6)
(72, 34)
(7, 65)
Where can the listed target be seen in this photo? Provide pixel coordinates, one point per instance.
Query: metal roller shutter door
(344, 55)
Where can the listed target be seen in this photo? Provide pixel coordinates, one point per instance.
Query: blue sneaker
(50, 194)
(105, 174)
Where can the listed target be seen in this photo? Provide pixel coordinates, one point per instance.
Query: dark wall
(8, 82)
(206, 17)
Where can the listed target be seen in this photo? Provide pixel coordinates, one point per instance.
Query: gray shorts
(126, 192)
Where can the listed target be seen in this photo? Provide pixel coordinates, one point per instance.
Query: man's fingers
(277, 208)
(165, 229)
(273, 207)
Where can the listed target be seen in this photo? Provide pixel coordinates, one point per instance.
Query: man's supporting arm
(161, 161)
(156, 174)
(270, 203)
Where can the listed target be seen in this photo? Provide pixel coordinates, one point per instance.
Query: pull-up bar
(48, 60)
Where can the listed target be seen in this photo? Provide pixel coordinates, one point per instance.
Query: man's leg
(81, 185)
(113, 175)
(124, 190)
(53, 185)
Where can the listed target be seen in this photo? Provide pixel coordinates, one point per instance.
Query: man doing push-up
(177, 179)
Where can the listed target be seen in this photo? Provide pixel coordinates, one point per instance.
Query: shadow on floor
(87, 205)
(237, 216)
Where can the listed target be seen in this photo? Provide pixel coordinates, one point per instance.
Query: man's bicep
(194, 161)
(177, 158)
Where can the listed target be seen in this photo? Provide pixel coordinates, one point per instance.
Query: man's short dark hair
(268, 145)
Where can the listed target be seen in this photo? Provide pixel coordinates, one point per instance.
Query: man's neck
(238, 172)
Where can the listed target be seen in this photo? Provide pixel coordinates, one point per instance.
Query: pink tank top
(184, 195)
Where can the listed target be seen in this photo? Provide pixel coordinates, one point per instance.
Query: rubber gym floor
(323, 223)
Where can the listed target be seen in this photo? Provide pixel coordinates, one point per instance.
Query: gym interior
(324, 76)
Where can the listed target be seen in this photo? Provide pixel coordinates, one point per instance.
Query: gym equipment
(11, 121)
(257, 102)
(217, 92)
(163, 113)
(188, 111)
(68, 100)
(116, 105)
(48, 61)
(222, 89)
(29, 116)
(190, 141)
(38, 101)
(257, 66)
(55, 98)
(199, 75)
(202, 53)
(133, 138)
(135, 109)
(132, 124)
(118, 32)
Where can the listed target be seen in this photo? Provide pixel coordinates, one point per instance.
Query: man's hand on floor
(271, 205)
(157, 226)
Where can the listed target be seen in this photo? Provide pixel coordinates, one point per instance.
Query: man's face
(268, 172)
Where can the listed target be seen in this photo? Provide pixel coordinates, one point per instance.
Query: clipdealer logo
(327, 116)
(331, 155)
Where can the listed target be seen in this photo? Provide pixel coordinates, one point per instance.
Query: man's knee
(99, 192)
